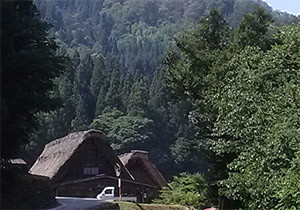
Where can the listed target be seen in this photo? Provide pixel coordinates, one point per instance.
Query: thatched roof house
(56, 157)
(83, 163)
(78, 161)
(142, 169)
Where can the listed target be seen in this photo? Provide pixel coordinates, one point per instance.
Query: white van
(108, 193)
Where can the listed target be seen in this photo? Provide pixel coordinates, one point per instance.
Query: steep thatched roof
(56, 156)
(131, 157)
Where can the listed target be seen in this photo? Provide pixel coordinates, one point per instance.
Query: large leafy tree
(249, 90)
(125, 132)
(28, 65)
(260, 110)
(188, 71)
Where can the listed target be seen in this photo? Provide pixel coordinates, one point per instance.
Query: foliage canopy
(249, 92)
(185, 189)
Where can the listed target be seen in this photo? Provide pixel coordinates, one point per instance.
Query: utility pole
(120, 188)
(118, 174)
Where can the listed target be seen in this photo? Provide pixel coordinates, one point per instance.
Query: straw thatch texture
(56, 153)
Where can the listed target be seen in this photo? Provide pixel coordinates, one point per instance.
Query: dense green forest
(115, 74)
(244, 87)
(137, 32)
(203, 90)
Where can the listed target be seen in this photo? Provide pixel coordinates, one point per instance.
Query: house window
(90, 170)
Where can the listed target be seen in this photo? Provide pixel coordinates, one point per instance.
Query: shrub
(185, 189)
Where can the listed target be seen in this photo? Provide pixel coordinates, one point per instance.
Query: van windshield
(108, 191)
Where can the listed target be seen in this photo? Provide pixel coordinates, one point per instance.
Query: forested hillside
(115, 79)
(137, 32)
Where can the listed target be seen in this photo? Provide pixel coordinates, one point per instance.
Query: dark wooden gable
(140, 173)
(89, 160)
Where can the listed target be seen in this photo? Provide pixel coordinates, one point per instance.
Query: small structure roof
(132, 156)
(17, 161)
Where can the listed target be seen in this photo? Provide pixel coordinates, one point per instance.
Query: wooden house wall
(85, 189)
(93, 187)
(143, 193)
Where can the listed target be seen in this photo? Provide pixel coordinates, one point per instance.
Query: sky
(290, 6)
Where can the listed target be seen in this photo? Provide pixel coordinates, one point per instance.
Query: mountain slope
(137, 32)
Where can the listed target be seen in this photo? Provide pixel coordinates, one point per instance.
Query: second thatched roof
(132, 156)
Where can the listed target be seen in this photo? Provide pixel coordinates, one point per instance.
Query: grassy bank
(138, 206)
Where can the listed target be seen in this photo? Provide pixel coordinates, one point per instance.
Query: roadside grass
(138, 206)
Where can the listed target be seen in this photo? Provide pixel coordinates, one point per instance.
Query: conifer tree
(112, 97)
(98, 77)
(28, 65)
(138, 99)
